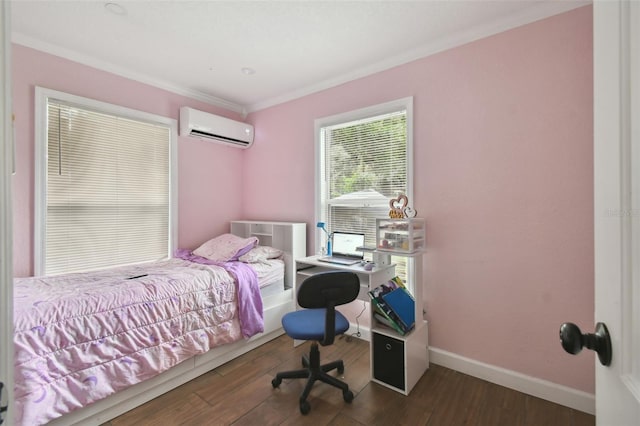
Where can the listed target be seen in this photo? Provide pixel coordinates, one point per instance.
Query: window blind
(367, 155)
(107, 188)
(364, 164)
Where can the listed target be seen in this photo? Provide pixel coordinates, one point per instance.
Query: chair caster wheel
(276, 382)
(340, 369)
(305, 407)
(347, 396)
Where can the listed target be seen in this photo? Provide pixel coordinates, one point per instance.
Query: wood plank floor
(240, 393)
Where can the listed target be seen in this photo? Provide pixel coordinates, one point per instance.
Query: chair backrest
(328, 290)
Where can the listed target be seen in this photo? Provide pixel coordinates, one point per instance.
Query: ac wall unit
(219, 129)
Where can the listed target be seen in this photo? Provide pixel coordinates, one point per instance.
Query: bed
(90, 346)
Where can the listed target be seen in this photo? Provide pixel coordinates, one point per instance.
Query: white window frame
(42, 95)
(359, 114)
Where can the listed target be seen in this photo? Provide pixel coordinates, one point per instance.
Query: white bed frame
(289, 237)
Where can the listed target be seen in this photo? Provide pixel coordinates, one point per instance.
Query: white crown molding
(541, 11)
(71, 55)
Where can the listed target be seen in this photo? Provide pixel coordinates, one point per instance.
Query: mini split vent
(204, 125)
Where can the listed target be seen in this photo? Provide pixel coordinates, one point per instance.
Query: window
(105, 194)
(364, 158)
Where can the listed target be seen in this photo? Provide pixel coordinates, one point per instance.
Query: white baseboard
(558, 394)
(365, 332)
(533, 386)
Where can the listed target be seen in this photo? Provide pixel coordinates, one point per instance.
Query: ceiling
(200, 48)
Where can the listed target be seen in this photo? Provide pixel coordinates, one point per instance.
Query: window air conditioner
(219, 129)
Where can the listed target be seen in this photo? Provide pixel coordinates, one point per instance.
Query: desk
(308, 266)
(397, 362)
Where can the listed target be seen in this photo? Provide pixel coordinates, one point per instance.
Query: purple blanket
(250, 311)
(82, 337)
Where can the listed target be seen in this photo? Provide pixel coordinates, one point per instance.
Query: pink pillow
(225, 247)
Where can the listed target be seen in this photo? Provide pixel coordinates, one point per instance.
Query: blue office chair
(321, 323)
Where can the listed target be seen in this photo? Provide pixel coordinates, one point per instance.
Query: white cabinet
(290, 237)
(397, 361)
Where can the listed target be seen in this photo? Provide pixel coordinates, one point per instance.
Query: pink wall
(503, 175)
(209, 179)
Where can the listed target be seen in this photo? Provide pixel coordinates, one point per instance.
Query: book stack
(394, 306)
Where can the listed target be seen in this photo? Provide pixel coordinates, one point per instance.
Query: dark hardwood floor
(240, 393)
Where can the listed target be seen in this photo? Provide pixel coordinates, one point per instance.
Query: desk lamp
(322, 226)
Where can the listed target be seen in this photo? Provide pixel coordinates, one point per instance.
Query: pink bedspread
(82, 337)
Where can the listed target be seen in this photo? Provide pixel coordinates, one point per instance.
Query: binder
(384, 309)
(387, 313)
(403, 305)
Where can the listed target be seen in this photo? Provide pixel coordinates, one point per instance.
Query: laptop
(344, 249)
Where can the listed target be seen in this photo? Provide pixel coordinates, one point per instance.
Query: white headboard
(290, 237)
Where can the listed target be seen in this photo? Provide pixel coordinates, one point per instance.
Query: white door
(617, 207)
(6, 242)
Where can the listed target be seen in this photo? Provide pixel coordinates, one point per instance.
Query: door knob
(573, 341)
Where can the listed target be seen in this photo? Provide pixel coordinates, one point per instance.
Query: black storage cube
(388, 360)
